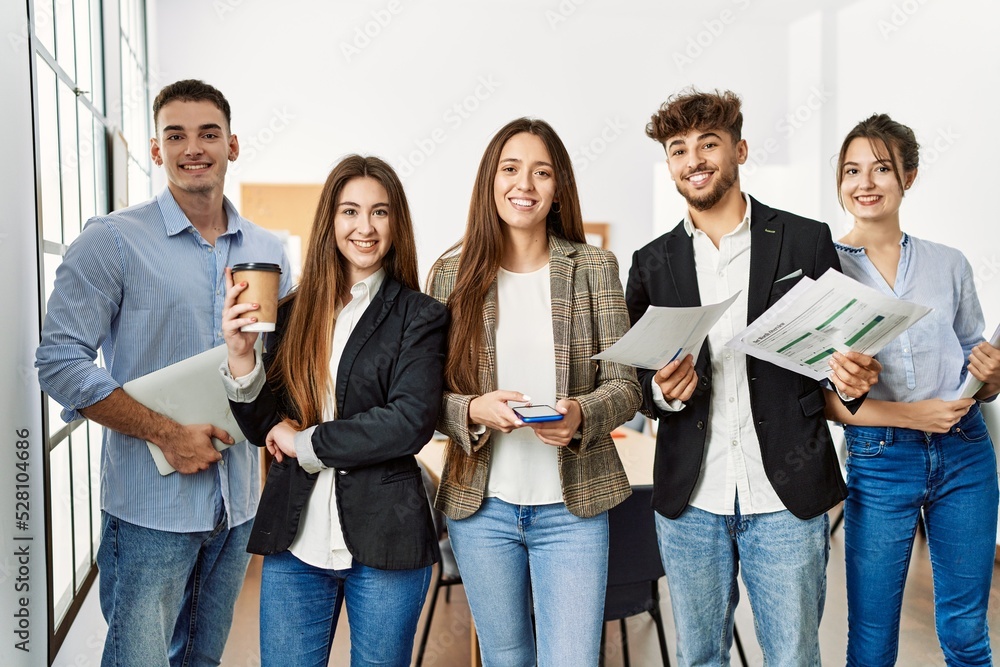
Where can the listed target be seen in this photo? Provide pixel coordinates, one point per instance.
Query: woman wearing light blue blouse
(911, 446)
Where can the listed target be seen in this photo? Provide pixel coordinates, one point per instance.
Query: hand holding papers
(819, 317)
(664, 334)
(971, 385)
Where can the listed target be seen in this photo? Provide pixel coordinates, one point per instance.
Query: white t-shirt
(523, 469)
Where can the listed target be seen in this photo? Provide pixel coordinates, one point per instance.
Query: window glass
(44, 25)
(86, 168)
(48, 146)
(80, 462)
(96, 434)
(84, 52)
(74, 185)
(69, 157)
(61, 530)
(65, 42)
(101, 186)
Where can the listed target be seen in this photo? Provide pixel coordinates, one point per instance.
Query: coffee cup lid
(257, 266)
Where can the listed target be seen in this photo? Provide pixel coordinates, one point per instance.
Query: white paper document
(663, 334)
(819, 317)
(971, 384)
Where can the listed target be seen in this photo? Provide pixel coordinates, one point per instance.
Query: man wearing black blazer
(745, 467)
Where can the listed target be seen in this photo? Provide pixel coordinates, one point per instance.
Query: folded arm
(932, 415)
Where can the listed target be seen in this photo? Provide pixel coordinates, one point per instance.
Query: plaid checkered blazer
(588, 315)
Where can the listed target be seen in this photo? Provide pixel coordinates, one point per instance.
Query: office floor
(448, 645)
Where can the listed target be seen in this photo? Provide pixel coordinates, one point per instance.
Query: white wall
(599, 70)
(302, 98)
(22, 519)
(942, 62)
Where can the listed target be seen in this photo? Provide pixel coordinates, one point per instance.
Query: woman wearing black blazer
(347, 392)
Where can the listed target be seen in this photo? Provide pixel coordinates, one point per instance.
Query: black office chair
(446, 574)
(634, 570)
(637, 423)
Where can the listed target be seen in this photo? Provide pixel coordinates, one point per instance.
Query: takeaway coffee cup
(262, 281)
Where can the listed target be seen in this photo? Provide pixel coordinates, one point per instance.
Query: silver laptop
(189, 392)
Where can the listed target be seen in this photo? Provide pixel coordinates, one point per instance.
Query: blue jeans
(168, 597)
(513, 556)
(300, 604)
(783, 562)
(893, 473)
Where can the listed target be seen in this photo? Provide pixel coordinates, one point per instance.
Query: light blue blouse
(929, 359)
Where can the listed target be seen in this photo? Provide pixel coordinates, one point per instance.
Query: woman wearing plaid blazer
(530, 304)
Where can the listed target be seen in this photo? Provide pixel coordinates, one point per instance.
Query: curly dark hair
(691, 109)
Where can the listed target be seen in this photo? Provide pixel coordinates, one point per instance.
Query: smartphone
(531, 414)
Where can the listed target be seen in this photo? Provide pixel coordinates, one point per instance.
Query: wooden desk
(635, 449)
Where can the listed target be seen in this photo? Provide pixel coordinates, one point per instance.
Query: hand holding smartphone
(533, 414)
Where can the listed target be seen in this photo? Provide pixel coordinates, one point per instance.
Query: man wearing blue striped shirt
(145, 286)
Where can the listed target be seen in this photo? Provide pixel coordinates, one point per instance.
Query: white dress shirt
(733, 463)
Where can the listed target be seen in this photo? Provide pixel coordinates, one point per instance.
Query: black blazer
(787, 408)
(388, 393)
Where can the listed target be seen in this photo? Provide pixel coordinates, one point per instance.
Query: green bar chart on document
(818, 318)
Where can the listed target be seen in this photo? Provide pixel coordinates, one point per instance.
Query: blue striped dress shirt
(929, 359)
(142, 286)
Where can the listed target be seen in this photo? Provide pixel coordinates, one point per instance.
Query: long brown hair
(302, 361)
(481, 251)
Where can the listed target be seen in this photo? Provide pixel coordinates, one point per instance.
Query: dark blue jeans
(300, 604)
(893, 473)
